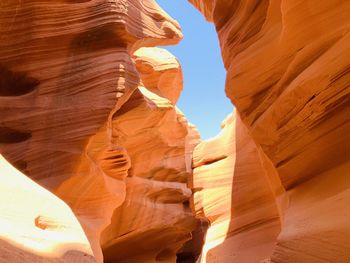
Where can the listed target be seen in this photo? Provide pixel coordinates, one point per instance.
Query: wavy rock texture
(35, 225)
(77, 119)
(232, 191)
(65, 69)
(155, 221)
(160, 72)
(288, 75)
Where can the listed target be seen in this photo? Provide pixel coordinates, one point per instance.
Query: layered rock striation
(155, 221)
(231, 190)
(288, 74)
(66, 68)
(88, 111)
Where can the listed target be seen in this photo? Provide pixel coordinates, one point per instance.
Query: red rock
(35, 225)
(160, 72)
(65, 70)
(88, 111)
(232, 191)
(155, 221)
(287, 74)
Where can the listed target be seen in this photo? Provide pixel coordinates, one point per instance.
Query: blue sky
(203, 99)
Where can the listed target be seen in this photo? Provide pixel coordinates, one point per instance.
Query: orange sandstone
(287, 74)
(155, 221)
(65, 69)
(35, 225)
(87, 110)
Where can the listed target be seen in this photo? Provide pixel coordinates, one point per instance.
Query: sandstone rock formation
(65, 69)
(232, 191)
(160, 72)
(87, 110)
(35, 226)
(155, 221)
(288, 76)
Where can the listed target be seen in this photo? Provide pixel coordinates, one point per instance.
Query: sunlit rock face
(160, 71)
(155, 221)
(65, 69)
(232, 191)
(88, 112)
(288, 76)
(35, 225)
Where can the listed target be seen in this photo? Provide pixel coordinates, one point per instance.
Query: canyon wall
(77, 118)
(232, 191)
(88, 111)
(155, 220)
(35, 225)
(288, 76)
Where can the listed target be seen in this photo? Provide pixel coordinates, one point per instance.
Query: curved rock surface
(155, 221)
(65, 69)
(160, 72)
(288, 76)
(35, 225)
(88, 111)
(232, 191)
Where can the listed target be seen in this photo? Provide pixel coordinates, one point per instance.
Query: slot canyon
(97, 163)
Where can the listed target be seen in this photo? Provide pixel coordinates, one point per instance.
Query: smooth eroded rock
(287, 74)
(35, 225)
(65, 69)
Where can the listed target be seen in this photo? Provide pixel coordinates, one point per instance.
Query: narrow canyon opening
(203, 99)
(99, 161)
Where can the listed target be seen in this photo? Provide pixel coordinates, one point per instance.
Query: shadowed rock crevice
(288, 74)
(159, 141)
(8, 136)
(14, 83)
(82, 78)
(81, 54)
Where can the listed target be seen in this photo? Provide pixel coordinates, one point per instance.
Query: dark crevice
(310, 99)
(21, 165)
(186, 257)
(8, 135)
(186, 203)
(192, 249)
(15, 83)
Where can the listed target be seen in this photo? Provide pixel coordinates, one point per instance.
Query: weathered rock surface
(88, 112)
(288, 76)
(35, 225)
(65, 69)
(160, 72)
(232, 191)
(155, 220)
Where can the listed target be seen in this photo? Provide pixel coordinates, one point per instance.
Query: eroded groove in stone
(80, 52)
(159, 142)
(8, 135)
(288, 75)
(110, 142)
(21, 165)
(15, 83)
